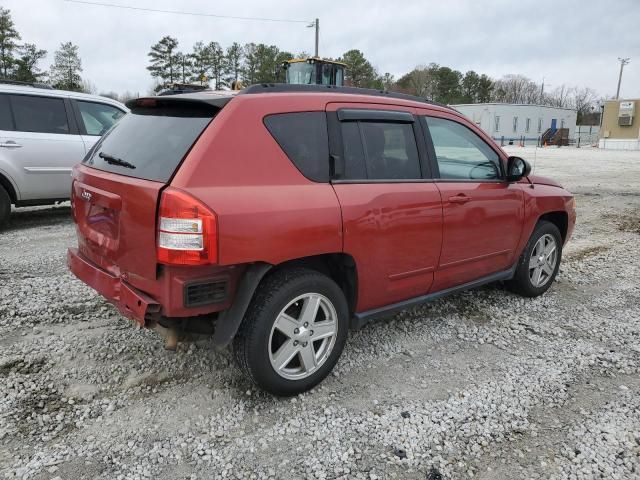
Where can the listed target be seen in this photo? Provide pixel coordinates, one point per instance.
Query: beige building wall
(610, 122)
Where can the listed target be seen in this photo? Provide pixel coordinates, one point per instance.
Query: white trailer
(509, 123)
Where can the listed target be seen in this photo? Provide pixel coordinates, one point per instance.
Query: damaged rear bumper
(132, 303)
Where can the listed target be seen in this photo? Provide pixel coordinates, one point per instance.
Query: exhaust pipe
(170, 336)
(171, 339)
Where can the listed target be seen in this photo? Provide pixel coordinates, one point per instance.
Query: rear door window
(6, 120)
(150, 142)
(380, 151)
(39, 114)
(98, 118)
(303, 137)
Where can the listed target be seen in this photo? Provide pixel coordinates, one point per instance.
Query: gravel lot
(484, 384)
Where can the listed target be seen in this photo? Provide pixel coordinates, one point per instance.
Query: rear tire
(5, 207)
(293, 332)
(539, 263)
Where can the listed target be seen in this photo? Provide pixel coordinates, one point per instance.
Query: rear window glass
(150, 143)
(39, 114)
(303, 137)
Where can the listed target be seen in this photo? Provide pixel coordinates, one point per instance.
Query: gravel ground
(483, 384)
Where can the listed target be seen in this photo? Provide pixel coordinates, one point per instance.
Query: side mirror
(517, 168)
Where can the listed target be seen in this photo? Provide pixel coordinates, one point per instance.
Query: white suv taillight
(187, 230)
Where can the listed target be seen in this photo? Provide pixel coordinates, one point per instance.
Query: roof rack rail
(26, 84)
(293, 88)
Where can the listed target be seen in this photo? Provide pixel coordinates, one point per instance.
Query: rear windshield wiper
(111, 160)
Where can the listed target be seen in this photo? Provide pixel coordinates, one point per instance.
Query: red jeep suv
(281, 217)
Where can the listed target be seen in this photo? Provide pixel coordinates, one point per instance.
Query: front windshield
(301, 73)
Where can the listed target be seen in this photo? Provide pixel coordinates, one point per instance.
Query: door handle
(460, 198)
(10, 144)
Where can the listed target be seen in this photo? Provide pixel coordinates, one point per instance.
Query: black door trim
(360, 319)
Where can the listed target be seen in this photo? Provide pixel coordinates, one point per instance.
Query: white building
(508, 122)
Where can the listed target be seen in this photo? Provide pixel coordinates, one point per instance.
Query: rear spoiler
(186, 100)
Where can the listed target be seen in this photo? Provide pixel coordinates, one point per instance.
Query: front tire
(5, 207)
(293, 332)
(540, 261)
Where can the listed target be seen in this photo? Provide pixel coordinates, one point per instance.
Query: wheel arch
(560, 219)
(9, 187)
(340, 267)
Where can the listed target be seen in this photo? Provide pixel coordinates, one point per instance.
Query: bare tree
(583, 99)
(421, 81)
(559, 97)
(515, 89)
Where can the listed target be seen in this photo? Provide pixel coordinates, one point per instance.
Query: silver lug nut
(296, 331)
(295, 343)
(304, 344)
(306, 324)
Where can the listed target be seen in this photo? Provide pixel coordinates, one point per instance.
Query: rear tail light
(187, 230)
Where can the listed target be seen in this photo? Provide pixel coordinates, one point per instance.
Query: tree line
(251, 63)
(20, 61)
(212, 64)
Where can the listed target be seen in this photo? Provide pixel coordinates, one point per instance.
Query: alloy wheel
(542, 263)
(303, 336)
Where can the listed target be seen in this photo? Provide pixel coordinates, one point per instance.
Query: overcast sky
(566, 42)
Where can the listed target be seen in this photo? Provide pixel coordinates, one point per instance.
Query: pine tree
(9, 37)
(66, 68)
(251, 63)
(233, 62)
(216, 63)
(360, 72)
(266, 63)
(199, 63)
(184, 65)
(164, 61)
(26, 65)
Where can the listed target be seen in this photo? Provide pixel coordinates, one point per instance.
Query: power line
(194, 14)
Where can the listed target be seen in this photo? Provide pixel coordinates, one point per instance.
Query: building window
(539, 125)
(527, 125)
(515, 124)
(562, 123)
(497, 123)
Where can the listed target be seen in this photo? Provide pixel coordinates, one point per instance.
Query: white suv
(43, 134)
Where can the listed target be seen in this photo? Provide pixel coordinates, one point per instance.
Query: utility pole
(318, 36)
(623, 62)
(316, 24)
